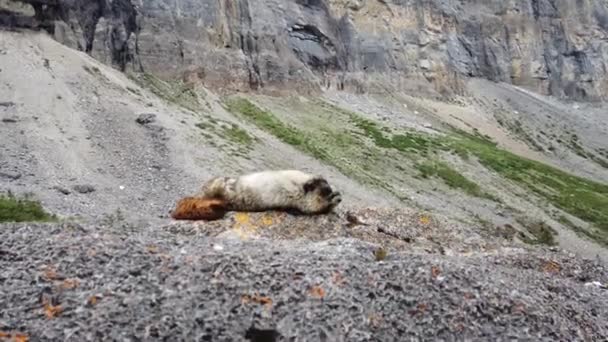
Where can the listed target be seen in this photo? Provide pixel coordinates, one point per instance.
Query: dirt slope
(68, 120)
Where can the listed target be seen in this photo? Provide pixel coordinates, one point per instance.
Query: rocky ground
(265, 277)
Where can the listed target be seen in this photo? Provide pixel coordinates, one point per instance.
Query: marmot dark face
(322, 193)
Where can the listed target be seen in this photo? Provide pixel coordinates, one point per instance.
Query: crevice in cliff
(543, 8)
(21, 17)
(322, 51)
(123, 15)
(313, 47)
(247, 41)
(120, 15)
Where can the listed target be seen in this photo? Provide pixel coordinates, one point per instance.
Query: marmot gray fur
(289, 190)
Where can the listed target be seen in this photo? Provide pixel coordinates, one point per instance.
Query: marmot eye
(325, 191)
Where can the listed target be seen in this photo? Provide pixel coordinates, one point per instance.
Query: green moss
(176, 91)
(451, 177)
(214, 130)
(380, 254)
(578, 196)
(13, 209)
(286, 133)
(237, 135)
(404, 142)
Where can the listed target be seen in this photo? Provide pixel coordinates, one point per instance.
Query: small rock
(425, 64)
(596, 284)
(83, 188)
(9, 120)
(7, 104)
(10, 175)
(62, 190)
(145, 118)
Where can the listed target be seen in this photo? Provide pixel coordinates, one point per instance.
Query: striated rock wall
(556, 47)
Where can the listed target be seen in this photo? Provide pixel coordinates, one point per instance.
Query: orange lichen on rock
(51, 311)
(70, 284)
(197, 208)
(255, 298)
(14, 337)
(317, 292)
(551, 267)
(435, 271)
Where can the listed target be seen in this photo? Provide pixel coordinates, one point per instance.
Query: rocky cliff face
(556, 47)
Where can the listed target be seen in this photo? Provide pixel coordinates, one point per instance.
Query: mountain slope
(71, 126)
(69, 121)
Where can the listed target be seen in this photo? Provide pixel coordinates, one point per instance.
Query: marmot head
(324, 196)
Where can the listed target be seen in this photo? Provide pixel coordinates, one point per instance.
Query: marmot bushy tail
(289, 190)
(196, 208)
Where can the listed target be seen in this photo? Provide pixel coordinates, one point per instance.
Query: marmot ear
(314, 183)
(309, 186)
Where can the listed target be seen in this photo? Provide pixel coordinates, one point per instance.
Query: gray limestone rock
(83, 188)
(305, 45)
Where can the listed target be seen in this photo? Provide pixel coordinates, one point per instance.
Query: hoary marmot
(288, 190)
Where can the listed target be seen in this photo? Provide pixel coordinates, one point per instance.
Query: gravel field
(86, 282)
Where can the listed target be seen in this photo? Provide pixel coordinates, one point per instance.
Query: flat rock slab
(95, 282)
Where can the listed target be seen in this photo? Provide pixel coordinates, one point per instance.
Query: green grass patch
(583, 198)
(404, 142)
(284, 132)
(451, 177)
(237, 135)
(177, 92)
(578, 196)
(13, 209)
